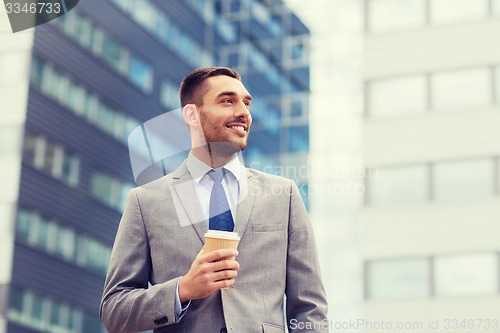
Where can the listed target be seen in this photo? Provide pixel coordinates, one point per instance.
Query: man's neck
(215, 155)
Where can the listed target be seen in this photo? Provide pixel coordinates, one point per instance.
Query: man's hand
(207, 275)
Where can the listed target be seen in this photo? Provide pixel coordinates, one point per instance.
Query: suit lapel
(188, 207)
(188, 200)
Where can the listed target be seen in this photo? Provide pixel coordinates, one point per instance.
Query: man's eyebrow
(232, 93)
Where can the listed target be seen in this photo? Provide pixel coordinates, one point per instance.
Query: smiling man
(160, 278)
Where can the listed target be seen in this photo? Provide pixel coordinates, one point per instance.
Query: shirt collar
(198, 168)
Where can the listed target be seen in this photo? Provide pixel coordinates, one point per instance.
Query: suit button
(223, 330)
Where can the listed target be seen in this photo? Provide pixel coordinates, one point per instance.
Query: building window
(444, 11)
(110, 190)
(169, 95)
(141, 73)
(64, 242)
(296, 51)
(81, 102)
(227, 30)
(270, 117)
(395, 14)
(398, 279)
(466, 179)
(474, 274)
(298, 138)
(114, 54)
(298, 107)
(43, 314)
(397, 96)
(52, 158)
(461, 89)
(147, 15)
(399, 185)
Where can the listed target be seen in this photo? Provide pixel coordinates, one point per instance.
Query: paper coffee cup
(216, 239)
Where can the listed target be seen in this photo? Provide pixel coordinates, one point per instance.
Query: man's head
(193, 87)
(216, 108)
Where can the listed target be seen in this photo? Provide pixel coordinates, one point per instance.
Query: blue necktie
(220, 214)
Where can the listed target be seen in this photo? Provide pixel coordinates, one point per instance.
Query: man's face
(225, 115)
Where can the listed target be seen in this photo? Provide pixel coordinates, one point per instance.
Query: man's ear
(190, 115)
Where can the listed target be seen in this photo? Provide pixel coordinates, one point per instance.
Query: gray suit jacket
(160, 234)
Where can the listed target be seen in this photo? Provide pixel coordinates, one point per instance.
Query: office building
(431, 132)
(75, 88)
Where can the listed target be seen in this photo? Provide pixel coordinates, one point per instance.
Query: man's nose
(242, 110)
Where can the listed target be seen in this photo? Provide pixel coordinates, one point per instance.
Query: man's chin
(226, 148)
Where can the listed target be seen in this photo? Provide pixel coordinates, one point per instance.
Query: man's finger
(220, 254)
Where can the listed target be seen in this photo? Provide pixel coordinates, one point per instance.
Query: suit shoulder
(269, 178)
(159, 184)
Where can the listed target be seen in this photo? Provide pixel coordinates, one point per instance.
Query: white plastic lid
(222, 234)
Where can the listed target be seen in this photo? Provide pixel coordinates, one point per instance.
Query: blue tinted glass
(233, 60)
(298, 139)
(235, 6)
(140, 73)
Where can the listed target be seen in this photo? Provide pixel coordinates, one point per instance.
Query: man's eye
(227, 101)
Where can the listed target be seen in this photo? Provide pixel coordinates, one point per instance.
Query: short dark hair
(193, 82)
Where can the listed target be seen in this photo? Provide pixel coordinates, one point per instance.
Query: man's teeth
(239, 128)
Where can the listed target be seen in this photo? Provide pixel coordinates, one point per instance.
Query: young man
(159, 278)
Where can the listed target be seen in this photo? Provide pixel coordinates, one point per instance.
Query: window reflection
(466, 179)
(397, 96)
(398, 279)
(466, 275)
(399, 185)
(395, 14)
(443, 11)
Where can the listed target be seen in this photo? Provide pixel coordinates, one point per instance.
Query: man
(160, 278)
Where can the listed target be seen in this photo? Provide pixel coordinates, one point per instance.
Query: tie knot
(216, 175)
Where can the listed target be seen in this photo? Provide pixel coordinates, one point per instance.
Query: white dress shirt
(203, 184)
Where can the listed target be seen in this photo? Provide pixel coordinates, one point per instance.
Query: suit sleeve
(128, 304)
(306, 302)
